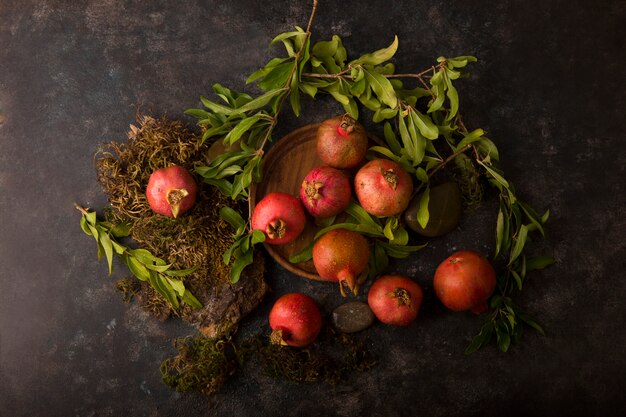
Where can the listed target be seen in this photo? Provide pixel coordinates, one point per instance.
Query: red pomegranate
(280, 216)
(341, 142)
(341, 255)
(383, 187)
(395, 299)
(171, 191)
(295, 320)
(465, 281)
(325, 192)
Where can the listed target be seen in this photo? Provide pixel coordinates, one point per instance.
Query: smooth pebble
(352, 317)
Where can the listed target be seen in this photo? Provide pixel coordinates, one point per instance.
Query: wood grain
(286, 164)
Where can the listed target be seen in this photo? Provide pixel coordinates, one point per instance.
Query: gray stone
(352, 317)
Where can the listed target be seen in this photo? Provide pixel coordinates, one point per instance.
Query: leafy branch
(390, 238)
(416, 143)
(423, 132)
(141, 263)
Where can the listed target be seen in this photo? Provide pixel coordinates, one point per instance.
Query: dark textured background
(549, 89)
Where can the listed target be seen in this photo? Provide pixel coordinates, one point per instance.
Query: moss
(129, 287)
(198, 238)
(204, 364)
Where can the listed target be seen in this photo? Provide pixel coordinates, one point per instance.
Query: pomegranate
(171, 191)
(295, 320)
(280, 216)
(383, 187)
(325, 192)
(395, 299)
(341, 255)
(341, 142)
(464, 281)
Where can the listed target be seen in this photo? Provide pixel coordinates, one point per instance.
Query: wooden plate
(286, 164)
(284, 168)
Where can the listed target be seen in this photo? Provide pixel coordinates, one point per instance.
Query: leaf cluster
(142, 264)
(423, 132)
(390, 238)
(242, 250)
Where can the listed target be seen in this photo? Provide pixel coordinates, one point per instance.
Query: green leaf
(241, 261)
(257, 237)
(533, 216)
(181, 272)
(287, 35)
(215, 107)
(145, 257)
(107, 246)
(440, 96)
(504, 341)
(422, 214)
(277, 77)
(461, 61)
(526, 318)
(407, 141)
(481, 339)
(261, 101)
(379, 56)
(390, 225)
(400, 251)
(379, 261)
(326, 48)
(384, 151)
(158, 268)
(419, 142)
(242, 127)
(137, 268)
(437, 78)
(358, 87)
(176, 284)
(304, 255)
(539, 262)
(294, 97)
(520, 242)
(158, 283)
(309, 89)
(223, 185)
(453, 97)
(85, 226)
(91, 217)
(265, 70)
(362, 216)
(197, 113)
(390, 138)
(400, 236)
(471, 137)
(191, 300)
(518, 279)
(488, 149)
(426, 125)
(382, 88)
(421, 175)
(121, 229)
(499, 231)
(499, 178)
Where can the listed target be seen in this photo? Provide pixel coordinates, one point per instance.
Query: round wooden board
(285, 166)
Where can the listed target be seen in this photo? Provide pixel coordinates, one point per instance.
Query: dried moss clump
(199, 238)
(204, 364)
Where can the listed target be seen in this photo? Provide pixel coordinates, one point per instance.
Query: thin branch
(308, 27)
(443, 164)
